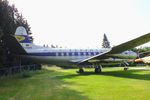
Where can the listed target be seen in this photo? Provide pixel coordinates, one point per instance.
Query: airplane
(20, 45)
(143, 57)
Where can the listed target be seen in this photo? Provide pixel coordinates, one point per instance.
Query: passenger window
(65, 54)
(92, 53)
(87, 54)
(59, 54)
(70, 54)
(76, 53)
(96, 53)
(81, 53)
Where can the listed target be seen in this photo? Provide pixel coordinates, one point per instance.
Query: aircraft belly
(53, 59)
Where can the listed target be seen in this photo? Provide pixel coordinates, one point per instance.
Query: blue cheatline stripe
(64, 54)
(26, 39)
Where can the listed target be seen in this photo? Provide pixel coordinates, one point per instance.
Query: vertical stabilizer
(23, 38)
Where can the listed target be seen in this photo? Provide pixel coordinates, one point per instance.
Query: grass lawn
(53, 83)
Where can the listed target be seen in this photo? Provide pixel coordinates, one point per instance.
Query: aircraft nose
(138, 60)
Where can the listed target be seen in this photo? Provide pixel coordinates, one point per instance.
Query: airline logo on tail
(20, 38)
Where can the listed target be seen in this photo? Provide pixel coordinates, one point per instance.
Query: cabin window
(81, 53)
(65, 54)
(76, 53)
(87, 54)
(59, 54)
(70, 54)
(101, 52)
(53, 54)
(92, 53)
(96, 53)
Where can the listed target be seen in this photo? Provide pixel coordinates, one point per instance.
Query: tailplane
(13, 45)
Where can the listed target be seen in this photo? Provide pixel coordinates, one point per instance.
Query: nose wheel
(126, 68)
(81, 70)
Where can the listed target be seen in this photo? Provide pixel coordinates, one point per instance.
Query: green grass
(54, 83)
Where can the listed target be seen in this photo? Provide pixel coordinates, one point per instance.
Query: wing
(120, 48)
(100, 56)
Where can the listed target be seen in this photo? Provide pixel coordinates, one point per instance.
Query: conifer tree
(10, 19)
(106, 43)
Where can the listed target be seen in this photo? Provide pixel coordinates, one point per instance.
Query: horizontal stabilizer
(13, 45)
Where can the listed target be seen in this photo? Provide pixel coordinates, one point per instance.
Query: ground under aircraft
(21, 46)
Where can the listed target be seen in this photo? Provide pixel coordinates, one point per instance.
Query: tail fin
(14, 44)
(21, 35)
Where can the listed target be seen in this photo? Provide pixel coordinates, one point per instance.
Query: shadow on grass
(132, 74)
(41, 86)
(129, 74)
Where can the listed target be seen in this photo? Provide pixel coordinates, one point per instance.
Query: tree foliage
(106, 43)
(10, 19)
(142, 49)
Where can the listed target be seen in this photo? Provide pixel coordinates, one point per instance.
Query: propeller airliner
(21, 45)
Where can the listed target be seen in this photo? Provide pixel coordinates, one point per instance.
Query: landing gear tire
(98, 70)
(125, 69)
(81, 70)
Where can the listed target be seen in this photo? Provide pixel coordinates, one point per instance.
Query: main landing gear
(126, 68)
(81, 70)
(97, 69)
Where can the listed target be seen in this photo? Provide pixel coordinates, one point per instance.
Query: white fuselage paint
(58, 56)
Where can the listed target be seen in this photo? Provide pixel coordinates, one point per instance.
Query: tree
(105, 43)
(10, 19)
(52, 46)
(141, 49)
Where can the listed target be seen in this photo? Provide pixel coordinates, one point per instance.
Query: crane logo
(20, 38)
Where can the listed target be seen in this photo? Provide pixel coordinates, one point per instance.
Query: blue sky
(82, 23)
